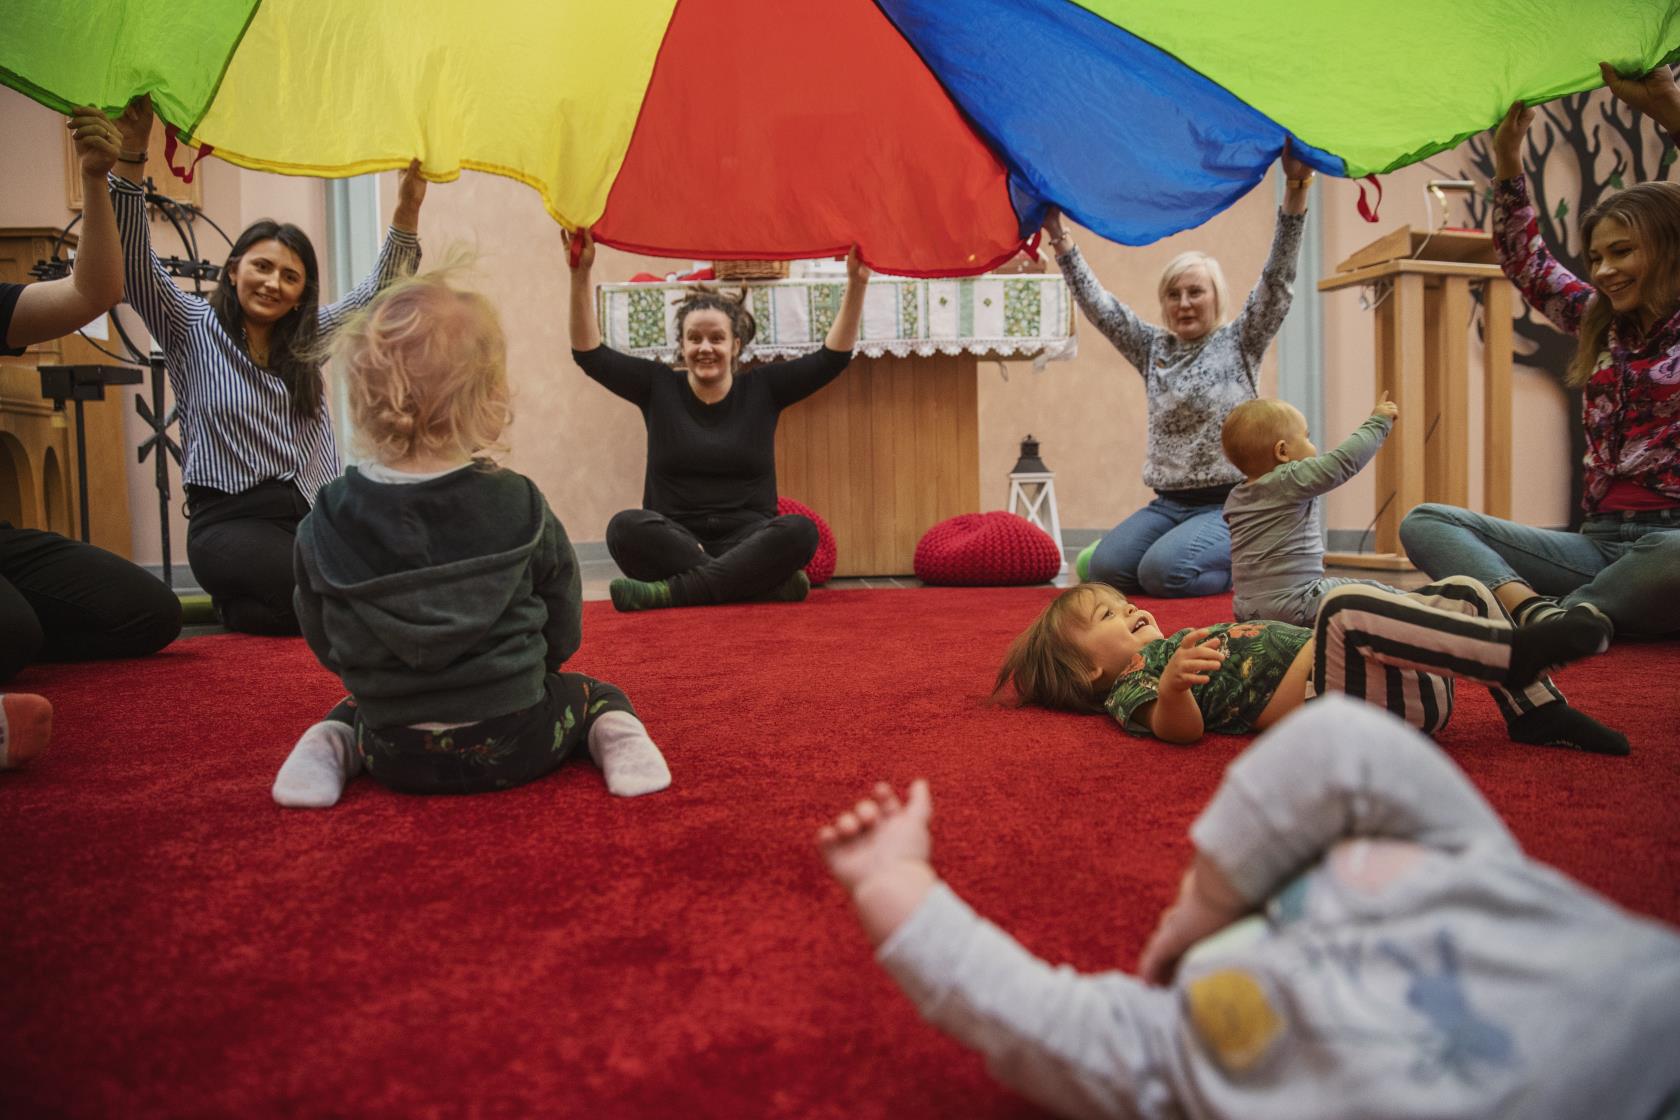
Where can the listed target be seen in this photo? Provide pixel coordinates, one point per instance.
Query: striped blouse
(237, 424)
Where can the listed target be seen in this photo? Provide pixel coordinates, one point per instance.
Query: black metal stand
(82, 383)
(159, 421)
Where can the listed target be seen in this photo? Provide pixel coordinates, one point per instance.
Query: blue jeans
(1168, 549)
(1625, 564)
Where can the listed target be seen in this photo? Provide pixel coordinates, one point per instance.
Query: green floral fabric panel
(1257, 655)
(1021, 311)
(825, 305)
(763, 315)
(647, 318)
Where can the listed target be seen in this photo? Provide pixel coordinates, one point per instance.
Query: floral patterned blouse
(1257, 655)
(1631, 404)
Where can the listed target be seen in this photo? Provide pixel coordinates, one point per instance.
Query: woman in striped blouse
(256, 440)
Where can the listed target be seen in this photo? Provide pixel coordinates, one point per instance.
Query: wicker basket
(751, 270)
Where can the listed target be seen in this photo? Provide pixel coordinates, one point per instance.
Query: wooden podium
(1422, 329)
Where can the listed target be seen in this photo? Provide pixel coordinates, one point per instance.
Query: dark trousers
(723, 559)
(497, 753)
(240, 548)
(62, 600)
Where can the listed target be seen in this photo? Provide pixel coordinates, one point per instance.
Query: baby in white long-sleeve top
(1358, 935)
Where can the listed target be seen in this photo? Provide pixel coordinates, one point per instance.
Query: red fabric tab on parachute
(172, 144)
(1367, 209)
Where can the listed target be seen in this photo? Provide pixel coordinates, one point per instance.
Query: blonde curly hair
(425, 365)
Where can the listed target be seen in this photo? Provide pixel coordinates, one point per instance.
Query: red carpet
(175, 944)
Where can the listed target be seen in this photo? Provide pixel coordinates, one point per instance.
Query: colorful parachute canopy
(932, 133)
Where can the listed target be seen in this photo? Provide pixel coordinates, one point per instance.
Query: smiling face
(1619, 265)
(709, 345)
(1188, 305)
(1110, 630)
(269, 280)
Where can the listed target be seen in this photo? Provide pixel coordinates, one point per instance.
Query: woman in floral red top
(1625, 561)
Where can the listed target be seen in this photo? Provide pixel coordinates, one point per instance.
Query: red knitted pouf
(987, 550)
(821, 568)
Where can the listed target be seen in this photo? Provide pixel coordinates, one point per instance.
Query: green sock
(793, 589)
(1082, 562)
(636, 595)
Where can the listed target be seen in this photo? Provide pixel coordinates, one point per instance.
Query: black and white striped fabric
(237, 427)
(1401, 650)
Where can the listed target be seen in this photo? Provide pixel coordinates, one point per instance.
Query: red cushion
(987, 550)
(821, 568)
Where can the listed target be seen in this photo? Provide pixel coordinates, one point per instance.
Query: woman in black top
(708, 532)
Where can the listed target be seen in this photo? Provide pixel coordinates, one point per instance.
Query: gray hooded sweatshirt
(446, 600)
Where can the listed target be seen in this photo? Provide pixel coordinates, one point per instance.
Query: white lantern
(1032, 495)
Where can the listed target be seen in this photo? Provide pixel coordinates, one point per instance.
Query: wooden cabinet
(883, 453)
(37, 444)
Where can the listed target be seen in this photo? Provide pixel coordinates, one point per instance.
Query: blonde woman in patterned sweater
(1202, 364)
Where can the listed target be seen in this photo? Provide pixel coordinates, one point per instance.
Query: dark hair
(1043, 664)
(292, 350)
(741, 321)
(1652, 212)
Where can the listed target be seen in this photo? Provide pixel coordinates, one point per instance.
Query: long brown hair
(1652, 212)
(292, 348)
(1044, 666)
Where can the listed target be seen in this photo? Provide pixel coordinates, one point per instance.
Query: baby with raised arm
(1277, 529)
(439, 587)
(1357, 935)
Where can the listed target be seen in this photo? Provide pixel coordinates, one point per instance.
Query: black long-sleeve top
(709, 459)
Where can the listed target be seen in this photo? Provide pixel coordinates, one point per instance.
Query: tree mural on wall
(1580, 149)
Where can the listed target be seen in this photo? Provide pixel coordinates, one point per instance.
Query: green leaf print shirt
(1257, 655)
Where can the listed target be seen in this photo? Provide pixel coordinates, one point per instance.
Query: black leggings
(62, 600)
(497, 753)
(240, 548)
(723, 559)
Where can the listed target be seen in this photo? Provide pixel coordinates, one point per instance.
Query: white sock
(315, 773)
(631, 762)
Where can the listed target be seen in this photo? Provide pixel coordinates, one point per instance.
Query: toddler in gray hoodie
(440, 588)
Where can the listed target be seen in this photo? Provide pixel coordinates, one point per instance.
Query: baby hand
(1196, 657)
(1386, 407)
(877, 834)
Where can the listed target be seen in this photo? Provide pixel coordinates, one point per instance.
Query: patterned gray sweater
(1193, 385)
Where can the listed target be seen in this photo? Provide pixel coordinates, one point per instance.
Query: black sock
(1576, 633)
(1537, 609)
(1558, 725)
